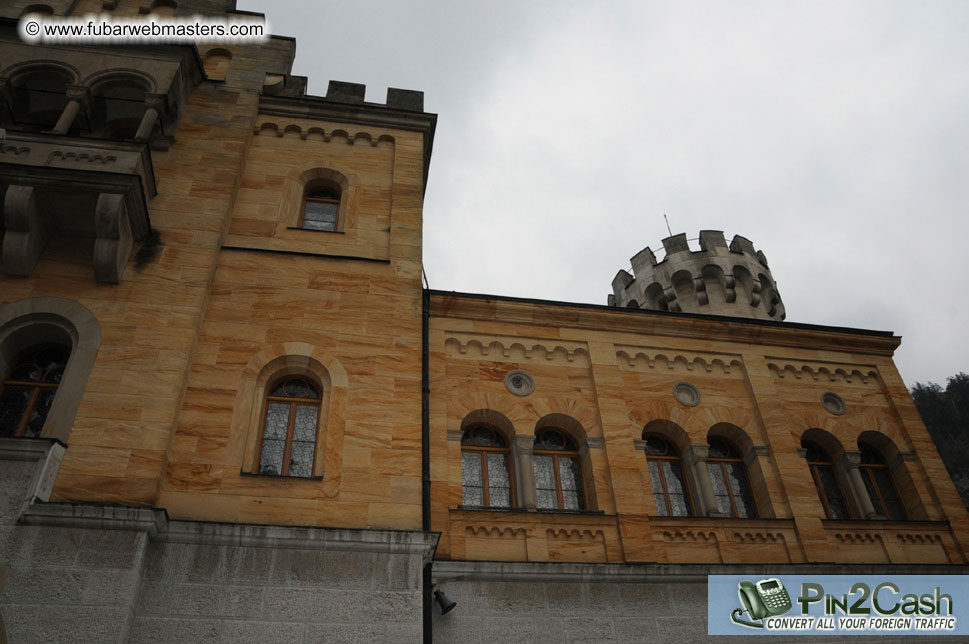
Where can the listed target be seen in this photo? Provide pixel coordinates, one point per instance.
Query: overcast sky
(834, 135)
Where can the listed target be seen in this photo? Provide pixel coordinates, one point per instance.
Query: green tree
(946, 414)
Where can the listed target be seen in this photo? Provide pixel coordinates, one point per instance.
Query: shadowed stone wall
(79, 573)
(547, 603)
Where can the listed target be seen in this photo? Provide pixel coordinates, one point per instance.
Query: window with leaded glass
(320, 210)
(670, 490)
(558, 478)
(28, 389)
(288, 446)
(485, 475)
(729, 479)
(829, 487)
(878, 482)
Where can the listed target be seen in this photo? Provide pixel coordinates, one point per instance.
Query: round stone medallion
(686, 394)
(519, 382)
(834, 403)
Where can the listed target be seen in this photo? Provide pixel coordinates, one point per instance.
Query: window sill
(484, 508)
(282, 476)
(313, 230)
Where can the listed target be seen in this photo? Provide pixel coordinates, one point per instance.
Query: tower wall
(717, 280)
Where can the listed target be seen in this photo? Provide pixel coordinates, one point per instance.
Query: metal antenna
(667, 224)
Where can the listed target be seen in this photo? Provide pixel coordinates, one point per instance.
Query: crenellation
(712, 241)
(703, 281)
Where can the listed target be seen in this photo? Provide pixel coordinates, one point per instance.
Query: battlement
(718, 279)
(342, 92)
(354, 93)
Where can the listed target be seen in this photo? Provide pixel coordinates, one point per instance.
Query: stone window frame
(12, 81)
(293, 402)
(895, 462)
(844, 465)
(750, 455)
(571, 452)
(721, 463)
(484, 451)
(153, 105)
(652, 430)
(34, 322)
(521, 446)
(324, 179)
(695, 458)
(270, 365)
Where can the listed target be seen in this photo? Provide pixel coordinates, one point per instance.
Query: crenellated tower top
(716, 280)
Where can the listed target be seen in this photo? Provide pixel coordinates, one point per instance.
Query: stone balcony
(81, 187)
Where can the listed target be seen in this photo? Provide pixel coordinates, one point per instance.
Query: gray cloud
(834, 135)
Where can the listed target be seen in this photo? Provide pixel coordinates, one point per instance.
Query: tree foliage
(946, 414)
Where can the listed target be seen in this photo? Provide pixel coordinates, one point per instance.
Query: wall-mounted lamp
(446, 604)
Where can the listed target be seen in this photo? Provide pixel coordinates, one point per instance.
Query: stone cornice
(372, 114)
(444, 571)
(686, 325)
(155, 522)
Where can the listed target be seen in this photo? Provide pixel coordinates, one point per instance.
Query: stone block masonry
(83, 573)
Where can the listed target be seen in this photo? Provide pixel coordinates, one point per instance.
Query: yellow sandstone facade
(245, 235)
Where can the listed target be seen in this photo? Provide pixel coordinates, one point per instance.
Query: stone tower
(717, 280)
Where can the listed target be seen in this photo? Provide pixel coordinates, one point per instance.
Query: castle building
(231, 412)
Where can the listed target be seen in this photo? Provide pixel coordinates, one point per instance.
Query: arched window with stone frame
(39, 96)
(290, 427)
(486, 473)
(118, 107)
(879, 482)
(830, 488)
(48, 346)
(728, 476)
(558, 472)
(321, 205)
(667, 476)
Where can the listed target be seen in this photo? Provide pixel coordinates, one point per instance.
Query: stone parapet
(718, 280)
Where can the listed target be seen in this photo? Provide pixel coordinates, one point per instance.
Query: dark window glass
(288, 445)
(826, 482)
(558, 478)
(28, 390)
(320, 210)
(39, 100)
(729, 480)
(670, 490)
(485, 475)
(118, 109)
(878, 481)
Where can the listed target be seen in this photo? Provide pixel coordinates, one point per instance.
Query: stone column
(78, 96)
(154, 106)
(525, 471)
(694, 459)
(855, 486)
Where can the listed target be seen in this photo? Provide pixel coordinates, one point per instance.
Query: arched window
(28, 389)
(829, 487)
(558, 477)
(485, 478)
(321, 208)
(119, 106)
(729, 479)
(666, 476)
(878, 481)
(288, 445)
(39, 99)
